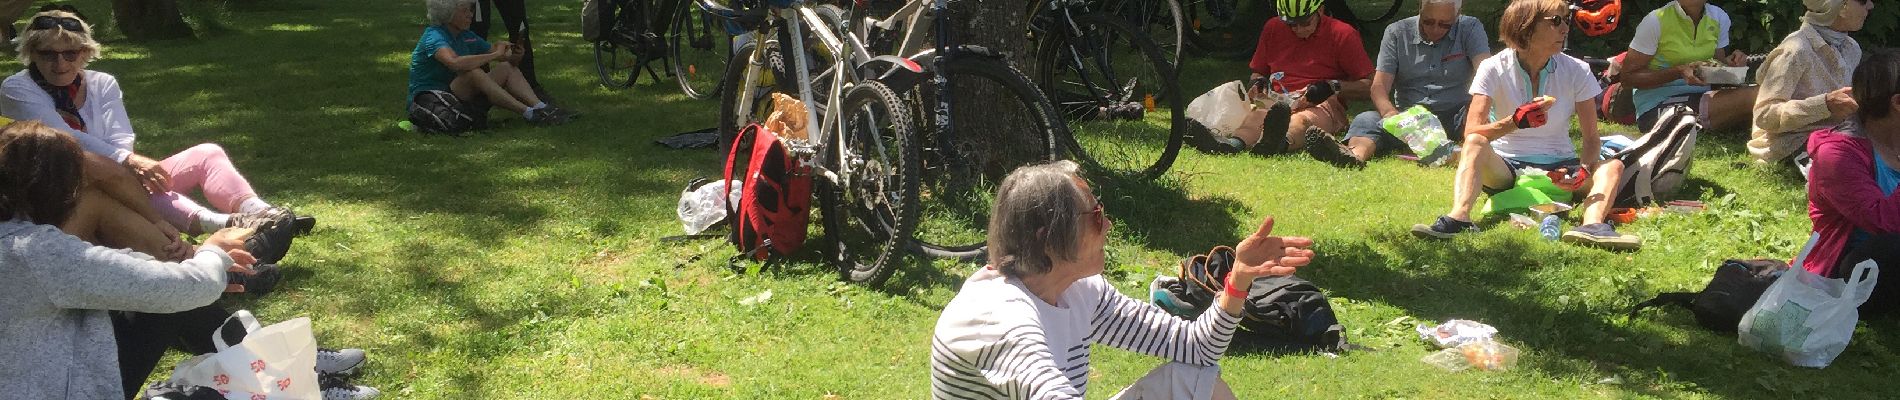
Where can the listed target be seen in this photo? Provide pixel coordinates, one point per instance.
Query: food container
(1623, 216)
(1723, 75)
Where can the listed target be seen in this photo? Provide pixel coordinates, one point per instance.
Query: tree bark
(999, 131)
(150, 19)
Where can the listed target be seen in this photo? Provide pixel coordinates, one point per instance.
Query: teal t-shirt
(425, 73)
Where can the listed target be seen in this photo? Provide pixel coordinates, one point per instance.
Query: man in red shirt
(1322, 62)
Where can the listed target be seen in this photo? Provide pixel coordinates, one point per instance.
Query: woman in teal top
(450, 58)
(1662, 59)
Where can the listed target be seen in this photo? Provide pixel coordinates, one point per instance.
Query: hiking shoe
(261, 282)
(1273, 131)
(1602, 235)
(335, 388)
(1324, 147)
(340, 361)
(1444, 228)
(1162, 291)
(303, 224)
(272, 239)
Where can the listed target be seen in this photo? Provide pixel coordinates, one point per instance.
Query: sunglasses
(1560, 21)
(1445, 24)
(50, 22)
(52, 56)
(1097, 212)
(1301, 22)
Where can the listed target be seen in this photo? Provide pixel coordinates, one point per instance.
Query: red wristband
(1229, 289)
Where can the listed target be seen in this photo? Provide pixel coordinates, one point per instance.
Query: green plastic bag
(1423, 132)
(1531, 190)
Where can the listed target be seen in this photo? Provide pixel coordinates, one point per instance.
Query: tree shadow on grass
(1490, 283)
(1158, 214)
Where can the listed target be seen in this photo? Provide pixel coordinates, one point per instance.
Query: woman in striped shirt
(1021, 327)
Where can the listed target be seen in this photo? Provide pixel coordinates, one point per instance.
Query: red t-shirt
(1333, 52)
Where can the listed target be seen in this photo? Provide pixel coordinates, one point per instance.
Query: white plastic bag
(701, 207)
(277, 362)
(1805, 318)
(1221, 110)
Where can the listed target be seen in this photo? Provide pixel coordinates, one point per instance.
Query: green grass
(526, 262)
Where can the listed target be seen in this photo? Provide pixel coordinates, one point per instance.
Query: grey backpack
(1658, 162)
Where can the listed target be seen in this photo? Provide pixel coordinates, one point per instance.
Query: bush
(1759, 25)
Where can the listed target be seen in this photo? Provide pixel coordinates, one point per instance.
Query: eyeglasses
(51, 56)
(49, 22)
(1445, 24)
(1097, 212)
(1559, 21)
(1301, 22)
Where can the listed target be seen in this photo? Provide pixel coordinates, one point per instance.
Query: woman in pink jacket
(1851, 186)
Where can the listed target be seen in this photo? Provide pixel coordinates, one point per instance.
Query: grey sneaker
(338, 390)
(1604, 236)
(340, 361)
(271, 242)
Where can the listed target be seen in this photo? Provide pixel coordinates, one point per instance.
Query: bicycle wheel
(699, 49)
(991, 99)
(1160, 19)
(757, 98)
(618, 65)
(1363, 12)
(1119, 93)
(869, 215)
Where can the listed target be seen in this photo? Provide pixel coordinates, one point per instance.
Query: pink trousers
(203, 167)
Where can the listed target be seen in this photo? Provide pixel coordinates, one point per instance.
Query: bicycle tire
(607, 56)
(1161, 19)
(1078, 108)
(1348, 10)
(729, 91)
(694, 29)
(866, 207)
(948, 184)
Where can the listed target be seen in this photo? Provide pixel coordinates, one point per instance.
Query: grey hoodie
(55, 338)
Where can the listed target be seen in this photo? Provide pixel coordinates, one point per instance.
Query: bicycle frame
(847, 52)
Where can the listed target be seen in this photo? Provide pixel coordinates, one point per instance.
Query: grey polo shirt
(1437, 75)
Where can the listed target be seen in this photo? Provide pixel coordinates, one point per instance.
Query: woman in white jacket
(57, 341)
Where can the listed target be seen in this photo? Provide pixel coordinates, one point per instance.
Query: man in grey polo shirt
(1427, 60)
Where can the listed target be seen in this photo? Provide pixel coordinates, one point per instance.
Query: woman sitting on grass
(1022, 326)
(450, 58)
(56, 89)
(1851, 187)
(1521, 104)
(58, 342)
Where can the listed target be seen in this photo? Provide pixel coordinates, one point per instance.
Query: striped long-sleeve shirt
(997, 340)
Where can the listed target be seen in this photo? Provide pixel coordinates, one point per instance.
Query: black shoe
(1444, 228)
(272, 239)
(261, 282)
(1324, 147)
(304, 224)
(1202, 138)
(546, 116)
(163, 390)
(1273, 131)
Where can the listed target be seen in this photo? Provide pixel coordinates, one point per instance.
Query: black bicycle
(1115, 86)
(974, 98)
(687, 41)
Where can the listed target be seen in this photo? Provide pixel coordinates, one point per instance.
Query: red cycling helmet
(1597, 17)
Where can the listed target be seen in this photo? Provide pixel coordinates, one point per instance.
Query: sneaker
(165, 390)
(1324, 147)
(1604, 236)
(1161, 292)
(340, 361)
(272, 240)
(1273, 131)
(335, 388)
(303, 224)
(547, 116)
(260, 283)
(1444, 228)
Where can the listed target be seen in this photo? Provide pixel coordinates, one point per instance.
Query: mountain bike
(860, 132)
(1115, 86)
(690, 43)
(974, 96)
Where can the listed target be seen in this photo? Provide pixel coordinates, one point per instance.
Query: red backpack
(775, 203)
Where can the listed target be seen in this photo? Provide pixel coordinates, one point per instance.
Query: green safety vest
(1684, 40)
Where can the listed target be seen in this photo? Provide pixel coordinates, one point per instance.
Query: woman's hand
(175, 246)
(1263, 254)
(1841, 104)
(1688, 72)
(150, 173)
(1737, 59)
(231, 240)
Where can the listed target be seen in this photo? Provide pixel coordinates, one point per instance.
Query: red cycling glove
(1529, 116)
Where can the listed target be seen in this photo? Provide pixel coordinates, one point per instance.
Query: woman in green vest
(1661, 65)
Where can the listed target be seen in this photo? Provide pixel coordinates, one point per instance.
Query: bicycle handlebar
(748, 19)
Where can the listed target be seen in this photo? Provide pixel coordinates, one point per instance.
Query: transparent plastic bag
(1423, 132)
(702, 207)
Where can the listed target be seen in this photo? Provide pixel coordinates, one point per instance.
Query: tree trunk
(999, 130)
(150, 19)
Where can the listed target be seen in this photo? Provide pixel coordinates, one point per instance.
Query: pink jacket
(1842, 195)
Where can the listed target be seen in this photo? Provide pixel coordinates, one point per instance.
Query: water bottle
(1551, 227)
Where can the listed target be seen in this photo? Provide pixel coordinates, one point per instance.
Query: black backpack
(439, 112)
(1281, 311)
(1733, 290)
